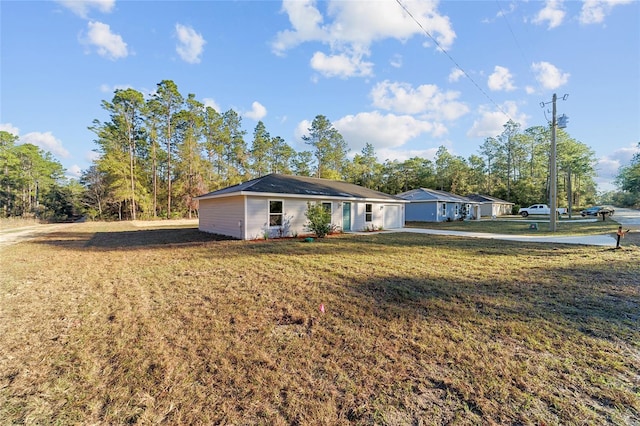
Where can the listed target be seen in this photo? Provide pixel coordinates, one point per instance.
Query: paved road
(627, 216)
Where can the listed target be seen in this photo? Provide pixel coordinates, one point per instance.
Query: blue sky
(405, 76)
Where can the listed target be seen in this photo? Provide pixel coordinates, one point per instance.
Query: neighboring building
(430, 205)
(491, 206)
(275, 205)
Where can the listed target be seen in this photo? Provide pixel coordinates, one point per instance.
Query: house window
(457, 209)
(327, 207)
(444, 209)
(275, 213)
(368, 212)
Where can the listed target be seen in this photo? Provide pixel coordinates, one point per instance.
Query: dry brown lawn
(116, 324)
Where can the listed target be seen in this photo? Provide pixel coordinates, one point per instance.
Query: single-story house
(275, 205)
(430, 205)
(491, 206)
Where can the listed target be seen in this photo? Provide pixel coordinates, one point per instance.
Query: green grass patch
(521, 226)
(112, 324)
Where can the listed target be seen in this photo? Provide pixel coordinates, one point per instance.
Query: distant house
(491, 206)
(274, 206)
(430, 205)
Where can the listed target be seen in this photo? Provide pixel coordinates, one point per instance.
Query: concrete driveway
(589, 240)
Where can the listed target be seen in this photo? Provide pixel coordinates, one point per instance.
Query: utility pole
(553, 193)
(553, 202)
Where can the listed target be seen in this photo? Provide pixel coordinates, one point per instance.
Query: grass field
(517, 225)
(113, 324)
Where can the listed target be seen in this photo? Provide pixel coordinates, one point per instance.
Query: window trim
(269, 214)
(368, 212)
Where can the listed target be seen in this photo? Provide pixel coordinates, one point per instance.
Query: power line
(526, 60)
(443, 50)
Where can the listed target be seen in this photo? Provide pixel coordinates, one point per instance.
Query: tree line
(628, 181)
(32, 183)
(157, 154)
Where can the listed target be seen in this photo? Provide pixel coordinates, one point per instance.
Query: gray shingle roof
(425, 194)
(487, 198)
(301, 185)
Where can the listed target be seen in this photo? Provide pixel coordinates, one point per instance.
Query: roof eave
(309, 196)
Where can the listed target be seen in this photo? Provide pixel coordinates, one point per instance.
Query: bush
(319, 220)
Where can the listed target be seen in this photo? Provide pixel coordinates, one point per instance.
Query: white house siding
(294, 216)
(223, 216)
(358, 216)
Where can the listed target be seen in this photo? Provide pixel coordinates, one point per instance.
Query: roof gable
(301, 186)
(426, 194)
(487, 198)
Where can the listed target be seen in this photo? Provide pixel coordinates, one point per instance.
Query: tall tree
(508, 149)
(95, 195)
(126, 116)
(166, 102)
(301, 163)
(261, 151)
(213, 128)
(489, 149)
(576, 161)
(628, 180)
(281, 156)
(9, 166)
(234, 148)
(330, 148)
(190, 166)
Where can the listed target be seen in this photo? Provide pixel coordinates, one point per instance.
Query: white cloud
(47, 142)
(342, 66)
(91, 156)
(594, 11)
(258, 111)
(108, 44)
(549, 76)
(608, 166)
(384, 154)
(82, 7)
(191, 44)
(383, 131)
(491, 122)
(302, 129)
(352, 26)
(455, 75)
(105, 88)
(396, 61)
(10, 128)
(501, 79)
(74, 171)
(427, 100)
(551, 13)
(208, 102)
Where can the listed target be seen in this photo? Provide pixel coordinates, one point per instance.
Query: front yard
(108, 324)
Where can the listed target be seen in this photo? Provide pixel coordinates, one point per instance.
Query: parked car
(597, 211)
(539, 209)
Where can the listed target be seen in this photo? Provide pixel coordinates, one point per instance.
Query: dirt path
(18, 235)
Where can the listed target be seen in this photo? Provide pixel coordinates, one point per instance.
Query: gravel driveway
(18, 235)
